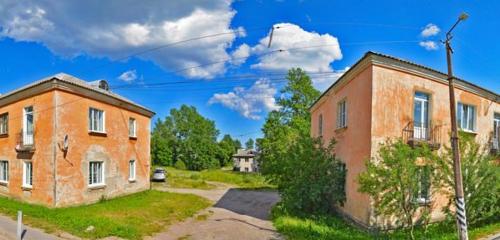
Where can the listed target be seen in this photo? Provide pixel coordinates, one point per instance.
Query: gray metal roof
(63, 77)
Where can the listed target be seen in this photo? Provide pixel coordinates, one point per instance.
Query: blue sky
(232, 78)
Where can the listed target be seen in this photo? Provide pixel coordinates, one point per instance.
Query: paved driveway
(236, 214)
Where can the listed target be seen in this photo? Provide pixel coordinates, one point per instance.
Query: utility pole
(459, 189)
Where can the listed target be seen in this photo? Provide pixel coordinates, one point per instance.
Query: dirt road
(236, 214)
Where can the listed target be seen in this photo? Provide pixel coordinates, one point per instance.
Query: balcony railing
(417, 133)
(25, 142)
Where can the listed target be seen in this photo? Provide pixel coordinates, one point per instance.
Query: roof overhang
(55, 83)
(377, 59)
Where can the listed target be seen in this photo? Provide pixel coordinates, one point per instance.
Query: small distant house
(245, 161)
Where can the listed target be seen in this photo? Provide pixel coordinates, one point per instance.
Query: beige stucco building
(245, 161)
(383, 97)
(65, 141)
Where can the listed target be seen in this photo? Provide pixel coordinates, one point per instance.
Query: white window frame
(132, 125)
(132, 170)
(4, 171)
(463, 121)
(342, 114)
(97, 183)
(28, 136)
(27, 174)
(4, 123)
(92, 126)
(420, 198)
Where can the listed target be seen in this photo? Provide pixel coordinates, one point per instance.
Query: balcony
(25, 142)
(417, 134)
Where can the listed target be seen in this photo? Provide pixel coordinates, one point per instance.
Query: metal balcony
(25, 142)
(417, 134)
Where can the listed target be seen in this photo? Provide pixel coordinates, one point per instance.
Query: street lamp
(459, 189)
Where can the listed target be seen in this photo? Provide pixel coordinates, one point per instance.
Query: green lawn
(330, 227)
(130, 217)
(193, 179)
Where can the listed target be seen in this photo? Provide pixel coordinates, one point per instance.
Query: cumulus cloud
(128, 76)
(430, 30)
(240, 55)
(429, 45)
(309, 50)
(118, 28)
(249, 102)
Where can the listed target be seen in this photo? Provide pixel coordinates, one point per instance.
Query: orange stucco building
(65, 141)
(382, 97)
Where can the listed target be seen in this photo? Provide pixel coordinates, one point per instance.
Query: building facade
(245, 161)
(382, 97)
(65, 141)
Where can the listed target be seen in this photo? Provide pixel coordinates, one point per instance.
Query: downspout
(54, 143)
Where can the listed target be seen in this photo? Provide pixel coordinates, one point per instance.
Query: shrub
(401, 180)
(311, 179)
(481, 181)
(180, 165)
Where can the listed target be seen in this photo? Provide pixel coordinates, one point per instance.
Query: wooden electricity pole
(459, 189)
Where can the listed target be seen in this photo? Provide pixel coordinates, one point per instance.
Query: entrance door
(421, 116)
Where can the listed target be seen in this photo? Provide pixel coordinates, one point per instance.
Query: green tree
(481, 181)
(284, 126)
(226, 150)
(312, 179)
(186, 136)
(237, 144)
(401, 181)
(249, 144)
(162, 144)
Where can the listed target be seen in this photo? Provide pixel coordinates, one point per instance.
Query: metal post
(19, 234)
(459, 190)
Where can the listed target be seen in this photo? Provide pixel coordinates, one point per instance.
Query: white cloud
(428, 45)
(430, 30)
(118, 28)
(128, 76)
(310, 51)
(249, 102)
(240, 55)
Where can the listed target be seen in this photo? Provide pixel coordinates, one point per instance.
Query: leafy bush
(180, 165)
(481, 181)
(311, 179)
(399, 179)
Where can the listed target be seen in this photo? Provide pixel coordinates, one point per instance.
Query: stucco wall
(393, 99)
(42, 157)
(354, 142)
(115, 149)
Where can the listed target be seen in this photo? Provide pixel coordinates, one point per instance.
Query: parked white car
(159, 175)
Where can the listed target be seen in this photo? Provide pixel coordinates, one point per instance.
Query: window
(496, 125)
(131, 170)
(423, 188)
(96, 173)
(4, 123)
(466, 117)
(342, 114)
(132, 127)
(4, 171)
(421, 116)
(96, 120)
(320, 125)
(28, 126)
(27, 174)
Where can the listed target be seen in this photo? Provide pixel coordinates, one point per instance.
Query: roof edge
(370, 55)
